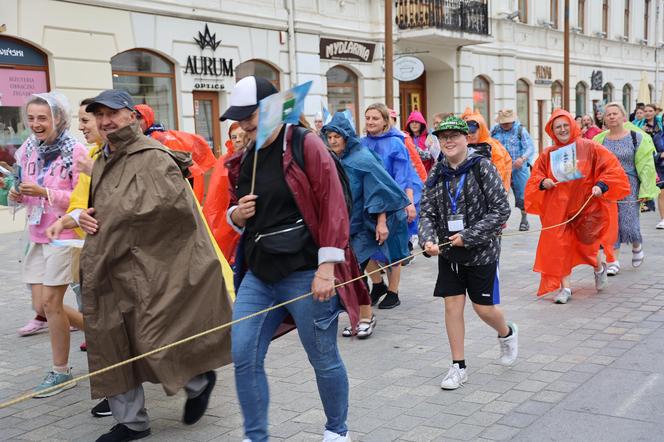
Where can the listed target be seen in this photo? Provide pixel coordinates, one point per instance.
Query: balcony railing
(456, 15)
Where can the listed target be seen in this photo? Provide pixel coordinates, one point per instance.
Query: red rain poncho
(563, 248)
(200, 150)
(500, 157)
(217, 201)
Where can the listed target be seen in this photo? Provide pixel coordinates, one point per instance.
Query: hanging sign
(334, 49)
(408, 68)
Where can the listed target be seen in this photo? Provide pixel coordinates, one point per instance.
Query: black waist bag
(284, 239)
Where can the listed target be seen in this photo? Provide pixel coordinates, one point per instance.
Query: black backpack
(297, 147)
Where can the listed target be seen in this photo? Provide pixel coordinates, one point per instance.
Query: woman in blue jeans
(295, 240)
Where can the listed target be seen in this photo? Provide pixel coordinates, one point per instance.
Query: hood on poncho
(483, 134)
(575, 132)
(342, 125)
(419, 118)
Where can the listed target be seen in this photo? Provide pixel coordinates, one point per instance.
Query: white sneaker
(454, 378)
(660, 225)
(509, 346)
(563, 296)
(613, 268)
(330, 436)
(602, 278)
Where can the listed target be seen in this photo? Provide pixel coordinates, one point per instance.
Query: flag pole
(389, 56)
(566, 85)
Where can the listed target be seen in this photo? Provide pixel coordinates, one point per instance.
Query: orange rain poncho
(563, 248)
(217, 201)
(200, 150)
(499, 155)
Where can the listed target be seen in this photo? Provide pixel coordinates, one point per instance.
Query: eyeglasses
(450, 137)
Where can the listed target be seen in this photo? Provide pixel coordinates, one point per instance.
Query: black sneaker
(390, 301)
(102, 409)
(377, 291)
(121, 433)
(194, 408)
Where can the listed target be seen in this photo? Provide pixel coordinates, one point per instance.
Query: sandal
(347, 332)
(612, 268)
(366, 327)
(637, 257)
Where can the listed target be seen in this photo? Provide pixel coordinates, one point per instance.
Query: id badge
(35, 216)
(455, 223)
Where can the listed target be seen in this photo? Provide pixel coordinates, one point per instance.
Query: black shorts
(480, 282)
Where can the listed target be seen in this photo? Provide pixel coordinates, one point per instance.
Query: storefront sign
(596, 81)
(543, 74)
(408, 68)
(348, 50)
(208, 71)
(13, 52)
(16, 85)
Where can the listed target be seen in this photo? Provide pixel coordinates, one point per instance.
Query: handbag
(285, 239)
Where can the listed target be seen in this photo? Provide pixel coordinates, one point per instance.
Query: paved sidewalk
(589, 370)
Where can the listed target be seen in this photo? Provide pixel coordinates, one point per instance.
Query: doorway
(540, 124)
(413, 97)
(206, 119)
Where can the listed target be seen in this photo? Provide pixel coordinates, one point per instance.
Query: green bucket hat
(452, 123)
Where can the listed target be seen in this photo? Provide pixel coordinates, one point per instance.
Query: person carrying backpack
(295, 240)
(465, 203)
(516, 139)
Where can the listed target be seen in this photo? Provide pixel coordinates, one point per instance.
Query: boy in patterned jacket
(463, 208)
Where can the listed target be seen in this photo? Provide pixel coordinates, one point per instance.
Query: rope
(83, 377)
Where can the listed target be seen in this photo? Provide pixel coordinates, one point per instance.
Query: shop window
(23, 72)
(627, 98)
(150, 79)
(342, 91)
(523, 102)
(556, 95)
(607, 93)
(581, 97)
(482, 97)
(258, 68)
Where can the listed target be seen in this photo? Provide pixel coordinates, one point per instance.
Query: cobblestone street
(589, 370)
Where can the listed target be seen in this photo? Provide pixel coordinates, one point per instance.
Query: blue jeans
(317, 328)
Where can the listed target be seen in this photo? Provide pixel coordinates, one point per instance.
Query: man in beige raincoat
(151, 274)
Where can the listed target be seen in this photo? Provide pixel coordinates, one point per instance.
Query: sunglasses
(473, 126)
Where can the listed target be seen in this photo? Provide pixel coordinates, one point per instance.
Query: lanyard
(455, 198)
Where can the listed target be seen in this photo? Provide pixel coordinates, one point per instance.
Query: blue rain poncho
(390, 148)
(374, 192)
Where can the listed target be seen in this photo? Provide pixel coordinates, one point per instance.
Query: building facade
(497, 54)
(183, 58)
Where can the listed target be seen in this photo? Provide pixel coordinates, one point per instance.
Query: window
(523, 102)
(23, 72)
(627, 98)
(626, 22)
(342, 91)
(605, 17)
(257, 68)
(581, 97)
(523, 11)
(581, 16)
(607, 93)
(554, 13)
(651, 93)
(150, 79)
(646, 18)
(556, 95)
(482, 97)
